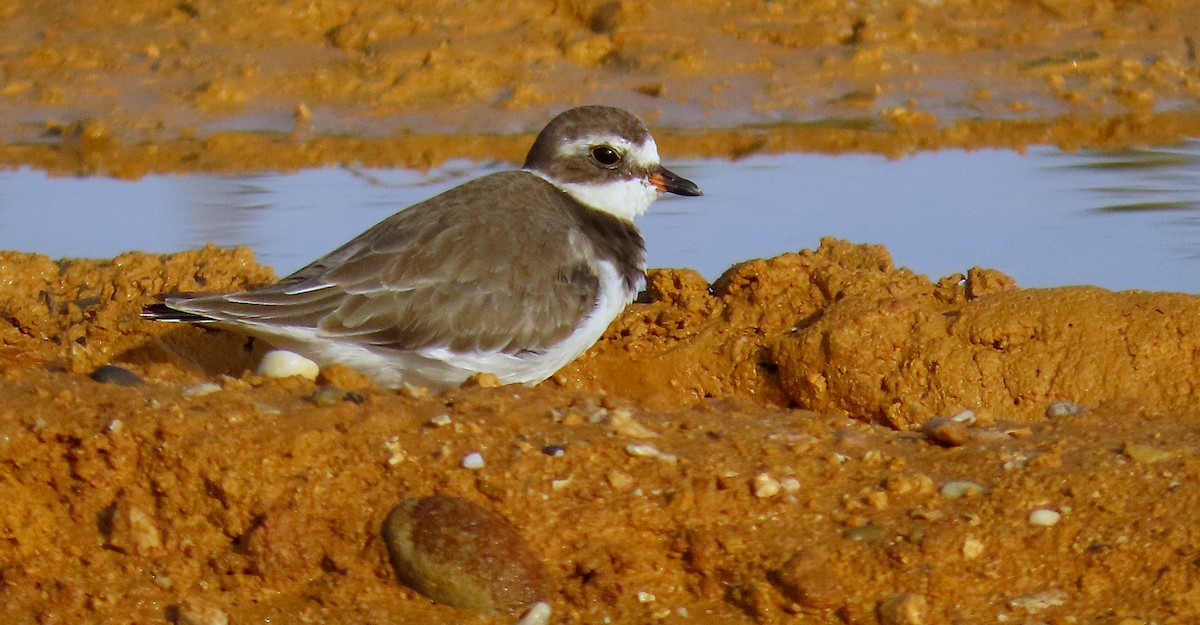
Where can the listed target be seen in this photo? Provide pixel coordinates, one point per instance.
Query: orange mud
(255, 499)
(127, 88)
(765, 449)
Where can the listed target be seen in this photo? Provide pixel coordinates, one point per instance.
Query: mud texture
(131, 87)
(676, 472)
(819, 437)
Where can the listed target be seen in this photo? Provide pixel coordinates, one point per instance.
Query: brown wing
(446, 272)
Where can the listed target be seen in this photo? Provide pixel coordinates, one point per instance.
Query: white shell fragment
(539, 614)
(649, 451)
(766, 486)
(1044, 517)
(961, 488)
(473, 460)
(280, 363)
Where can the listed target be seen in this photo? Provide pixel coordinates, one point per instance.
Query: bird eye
(605, 155)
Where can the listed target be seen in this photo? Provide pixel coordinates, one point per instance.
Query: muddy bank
(139, 86)
(820, 436)
(674, 473)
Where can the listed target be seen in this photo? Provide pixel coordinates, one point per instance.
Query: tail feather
(162, 312)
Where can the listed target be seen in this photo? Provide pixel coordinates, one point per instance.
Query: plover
(515, 273)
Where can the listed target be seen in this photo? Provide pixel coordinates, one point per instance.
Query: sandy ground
(815, 438)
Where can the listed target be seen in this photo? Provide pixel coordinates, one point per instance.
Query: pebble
(962, 488)
(1039, 601)
(539, 614)
(194, 614)
(811, 578)
(461, 554)
(648, 451)
(1064, 409)
(972, 548)
(946, 431)
(202, 389)
(965, 416)
(328, 396)
(555, 451)
(481, 380)
(765, 486)
(473, 460)
(1145, 454)
(438, 421)
(864, 533)
(904, 608)
(1044, 517)
(280, 363)
(112, 374)
(412, 391)
(623, 423)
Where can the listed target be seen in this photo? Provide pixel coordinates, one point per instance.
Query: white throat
(624, 199)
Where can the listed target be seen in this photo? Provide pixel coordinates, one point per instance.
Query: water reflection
(1121, 219)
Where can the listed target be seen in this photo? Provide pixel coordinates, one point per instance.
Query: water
(1122, 220)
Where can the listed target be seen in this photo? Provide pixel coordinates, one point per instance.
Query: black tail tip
(162, 312)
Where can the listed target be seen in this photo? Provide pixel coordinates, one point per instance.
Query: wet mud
(818, 437)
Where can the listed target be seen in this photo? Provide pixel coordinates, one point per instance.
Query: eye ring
(605, 155)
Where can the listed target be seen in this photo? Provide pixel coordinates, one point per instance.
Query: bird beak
(667, 182)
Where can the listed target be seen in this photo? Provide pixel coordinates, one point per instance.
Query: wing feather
(442, 273)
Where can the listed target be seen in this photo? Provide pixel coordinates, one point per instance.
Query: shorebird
(515, 273)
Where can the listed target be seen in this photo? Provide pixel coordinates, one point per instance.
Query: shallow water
(1128, 219)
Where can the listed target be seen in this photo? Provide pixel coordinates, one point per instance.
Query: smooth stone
(961, 488)
(112, 374)
(946, 431)
(1044, 517)
(280, 363)
(461, 554)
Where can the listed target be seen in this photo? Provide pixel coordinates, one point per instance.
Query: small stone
(458, 553)
(1044, 517)
(202, 389)
(112, 374)
(623, 423)
(1145, 454)
(128, 528)
(810, 579)
(1064, 409)
(765, 486)
(1038, 602)
(962, 488)
(328, 396)
(864, 533)
(539, 614)
(340, 376)
(473, 460)
(946, 431)
(280, 363)
(413, 391)
(396, 452)
(972, 548)
(648, 451)
(440, 420)
(966, 417)
(482, 380)
(619, 480)
(903, 608)
(196, 614)
(555, 451)
(790, 484)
